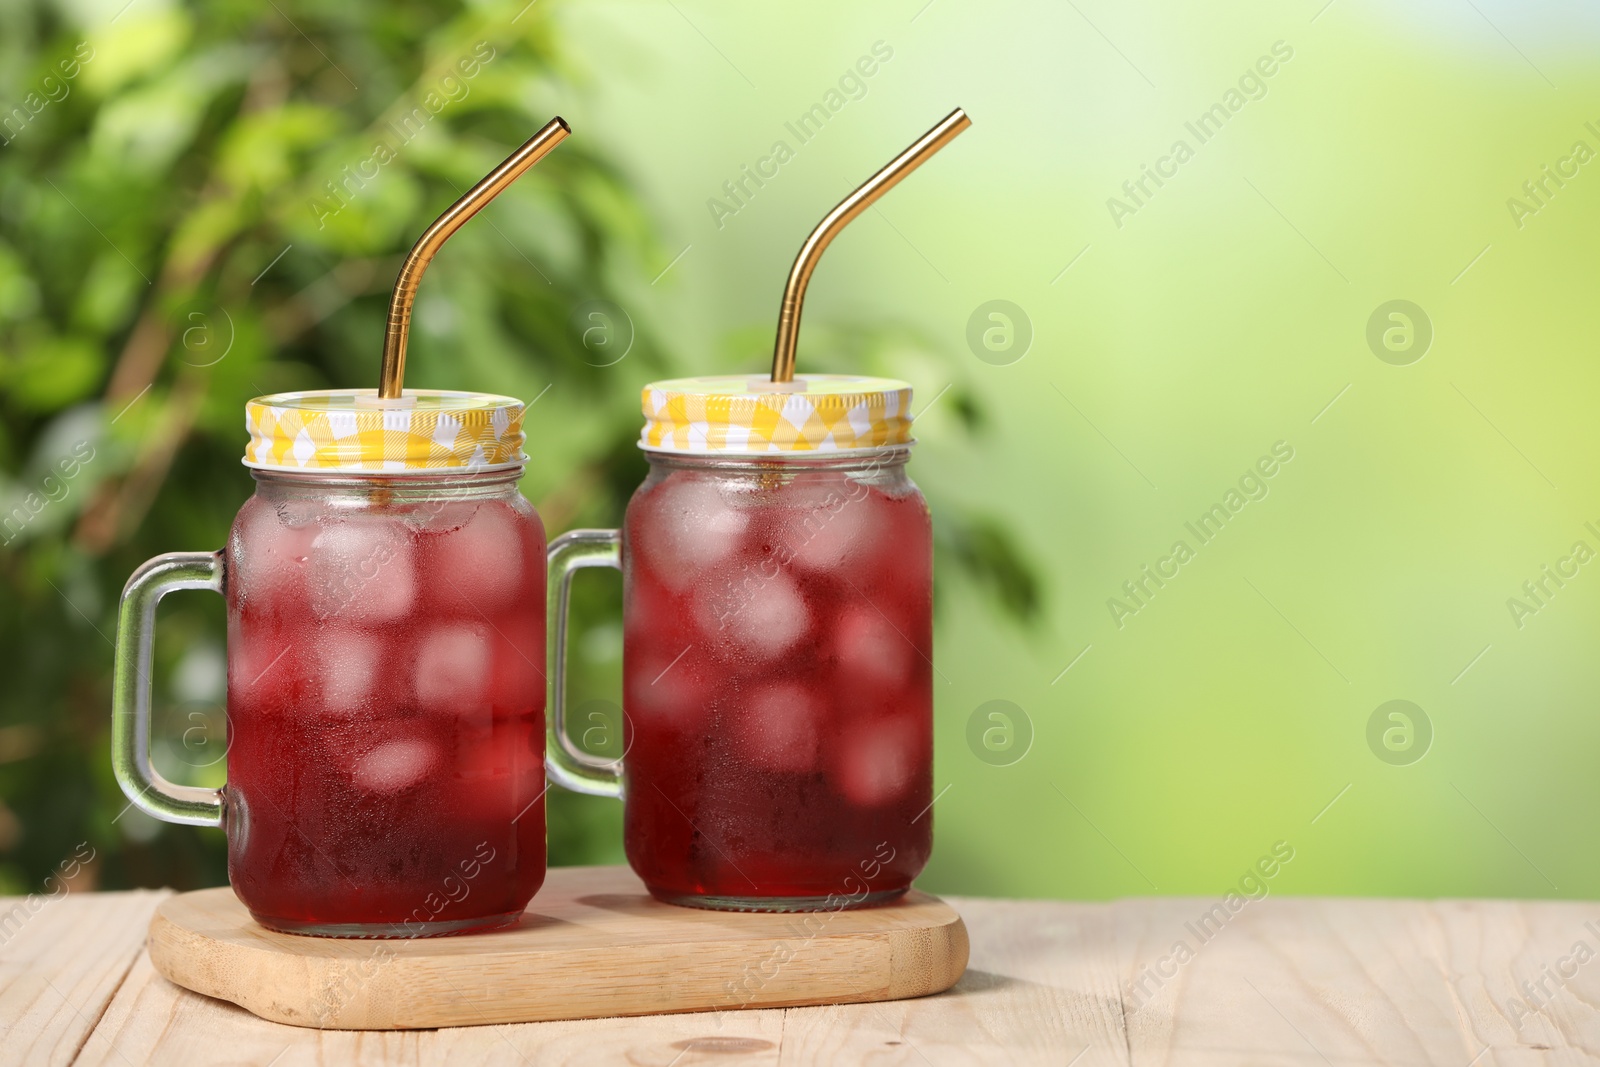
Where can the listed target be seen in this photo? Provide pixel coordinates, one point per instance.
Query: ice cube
(824, 524)
(452, 667)
(480, 563)
(686, 526)
(394, 766)
(878, 761)
(776, 728)
(440, 516)
(268, 557)
(873, 655)
(347, 671)
(762, 622)
(667, 687)
(362, 568)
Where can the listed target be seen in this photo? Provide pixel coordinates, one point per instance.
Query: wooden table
(1282, 981)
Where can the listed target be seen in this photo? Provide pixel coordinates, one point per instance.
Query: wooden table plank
(1300, 981)
(1498, 954)
(152, 1021)
(61, 960)
(1313, 981)
(1042, 987)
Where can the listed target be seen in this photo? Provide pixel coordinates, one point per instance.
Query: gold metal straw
(794, 293)
(405, 287)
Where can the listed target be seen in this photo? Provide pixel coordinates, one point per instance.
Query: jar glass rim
(378, 472)
(883, 455)
(776, 456)
(417, 479)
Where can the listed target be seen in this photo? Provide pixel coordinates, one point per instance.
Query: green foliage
(985, 549)
(204, 203)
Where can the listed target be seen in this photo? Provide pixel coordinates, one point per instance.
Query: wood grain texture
(1041, 988)
(593, 944)
(152, 1022)
(1315, 981)
(1307, 982)
(61, 960)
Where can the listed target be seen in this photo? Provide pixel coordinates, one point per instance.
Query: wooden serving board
(592, 944)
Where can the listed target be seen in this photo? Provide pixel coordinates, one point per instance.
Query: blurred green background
(169, 247)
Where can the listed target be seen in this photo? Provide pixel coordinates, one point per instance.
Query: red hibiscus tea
(777, 657)
(386, 704)
(386, 691)
(778, 683)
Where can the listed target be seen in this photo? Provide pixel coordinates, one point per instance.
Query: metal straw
(421, 254)
(794, 293)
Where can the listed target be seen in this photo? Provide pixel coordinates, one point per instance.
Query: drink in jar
(777, 658)
(385, 668)
(397, 642)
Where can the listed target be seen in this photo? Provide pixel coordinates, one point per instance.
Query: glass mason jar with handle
(385, 589)
(777, 657)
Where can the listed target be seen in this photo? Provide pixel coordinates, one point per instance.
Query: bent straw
(794, 293)
(391, 378)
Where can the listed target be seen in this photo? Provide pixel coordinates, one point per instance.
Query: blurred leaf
(144, 129)
(143, 40)
(107, 298)
(51, 373)
(355, 216)
(19, 296)
(985, 551)
(260, 151)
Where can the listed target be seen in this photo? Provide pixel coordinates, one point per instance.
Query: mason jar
(778, 644)
(385, 649)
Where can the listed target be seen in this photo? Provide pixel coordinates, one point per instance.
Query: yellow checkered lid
(353, 430)
(749, 414)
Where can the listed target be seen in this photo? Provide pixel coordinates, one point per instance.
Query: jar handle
(130, 689)
(569, 765)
